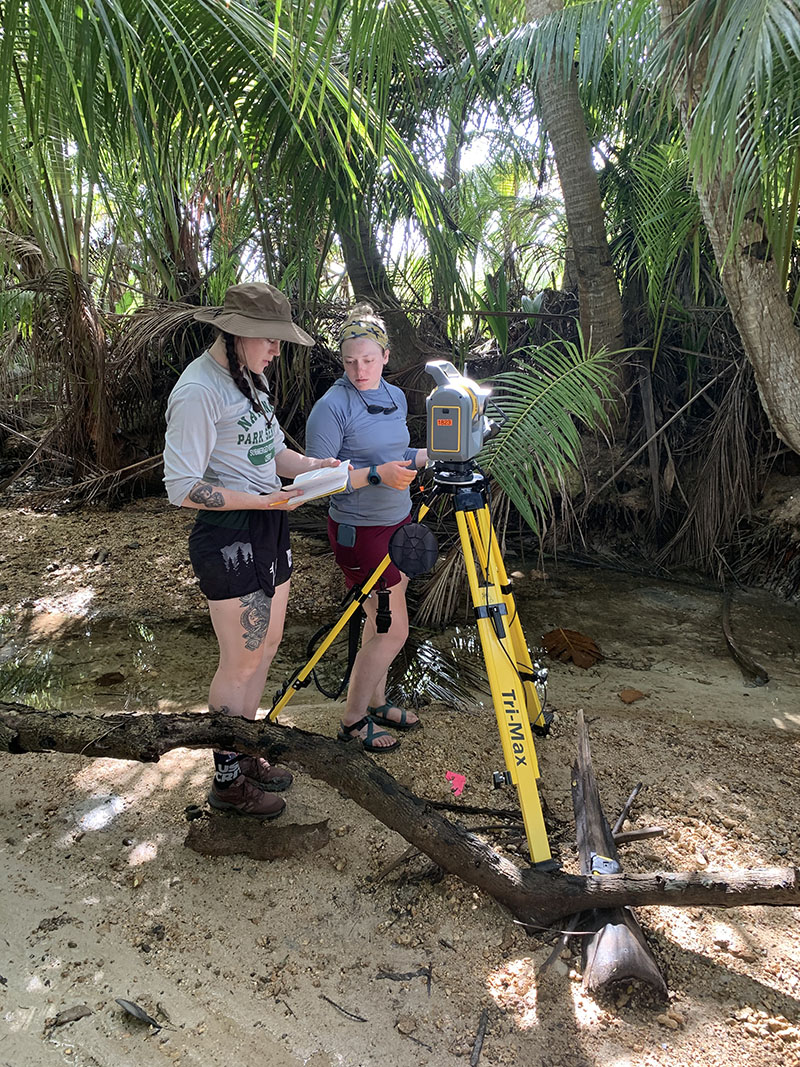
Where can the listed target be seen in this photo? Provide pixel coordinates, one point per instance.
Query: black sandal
(380, 715)
(348, 733)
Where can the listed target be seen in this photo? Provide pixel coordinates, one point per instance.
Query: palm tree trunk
(761, 313)
(370, 282)
(752, 286)
(90, 416)
(562, 115)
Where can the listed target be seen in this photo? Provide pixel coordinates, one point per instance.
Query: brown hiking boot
(264, 775)
(244, 798)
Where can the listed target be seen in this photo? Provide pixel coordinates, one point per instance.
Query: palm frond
(664, 214)
(736, 68)
(551, 393)
(584, 37)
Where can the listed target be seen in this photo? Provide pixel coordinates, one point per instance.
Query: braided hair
(245, 384)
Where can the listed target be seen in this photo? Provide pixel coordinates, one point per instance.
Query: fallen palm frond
(66, 362)
(424, 673)
(90, 488)
(152, 326)
(41, 447)
(728, 476)
(443, 592)
(21, 248)
(769, 549)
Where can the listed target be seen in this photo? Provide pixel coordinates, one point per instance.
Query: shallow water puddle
(107, 665)
(110, 665)
(657, 637)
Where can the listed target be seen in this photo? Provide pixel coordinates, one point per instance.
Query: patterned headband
(361, 328)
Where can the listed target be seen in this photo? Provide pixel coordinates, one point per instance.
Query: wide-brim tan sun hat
(255, 310)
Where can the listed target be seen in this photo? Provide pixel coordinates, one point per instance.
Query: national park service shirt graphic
(259, 440)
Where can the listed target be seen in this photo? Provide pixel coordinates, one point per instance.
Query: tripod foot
(546, 866)
(542, 730)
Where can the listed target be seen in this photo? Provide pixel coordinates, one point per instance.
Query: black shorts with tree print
(235, 553)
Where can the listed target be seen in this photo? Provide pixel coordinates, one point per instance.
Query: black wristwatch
(373, 477)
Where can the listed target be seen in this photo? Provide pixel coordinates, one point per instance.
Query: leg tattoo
(255, 618)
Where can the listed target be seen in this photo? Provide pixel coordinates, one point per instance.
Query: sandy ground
(314, 960)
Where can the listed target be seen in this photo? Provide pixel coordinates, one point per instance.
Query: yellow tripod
(512, 679)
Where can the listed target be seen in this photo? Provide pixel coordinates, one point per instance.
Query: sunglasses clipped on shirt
(376, 409)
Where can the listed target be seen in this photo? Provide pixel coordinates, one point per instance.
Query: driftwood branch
(626, 809)
(534, 897)
(645, 832)
(754, 673)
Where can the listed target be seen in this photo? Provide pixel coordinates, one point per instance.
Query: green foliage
(150, 113)
(165, 149)
(736, 65)
(553, 393)
(657, 226)
(591, 37)
(513, 228)
(496, 299)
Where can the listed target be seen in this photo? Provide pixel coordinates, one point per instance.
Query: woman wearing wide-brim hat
(223, 455)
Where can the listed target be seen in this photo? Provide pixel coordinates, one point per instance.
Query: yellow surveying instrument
(457, 427)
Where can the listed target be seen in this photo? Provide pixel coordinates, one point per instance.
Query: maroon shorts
(372, 544)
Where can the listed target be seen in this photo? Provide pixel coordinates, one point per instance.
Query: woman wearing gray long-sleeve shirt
(362, 420)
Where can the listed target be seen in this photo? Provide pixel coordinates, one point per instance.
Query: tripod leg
(493, 567)
(508, 694)
(300, 678)
(495, 570)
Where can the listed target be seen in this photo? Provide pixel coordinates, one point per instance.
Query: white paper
(321, 482)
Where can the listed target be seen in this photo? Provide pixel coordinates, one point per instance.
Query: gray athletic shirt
(340, 425)
(214, 435)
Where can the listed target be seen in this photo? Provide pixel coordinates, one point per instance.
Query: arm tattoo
(208, 495)
(255, 618)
